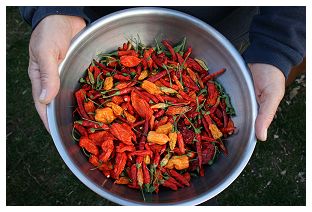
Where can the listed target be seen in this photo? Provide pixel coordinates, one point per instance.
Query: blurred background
(37, 175)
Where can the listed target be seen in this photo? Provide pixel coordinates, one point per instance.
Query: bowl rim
(154, 10)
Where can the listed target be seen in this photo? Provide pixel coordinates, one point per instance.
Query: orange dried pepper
(130, 118)
(178, 162)
(116, 108)
(141, 106)
(216, 133)
(157, 138)
(105, 115)
(143, 75)
(108, 83)
(117, 100)
(129, 61)
(165, 129)
(177, 110)
(151, 87)
(122, 181)
(86, 143)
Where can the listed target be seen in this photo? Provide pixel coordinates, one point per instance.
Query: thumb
(268, 107)
(49, 77)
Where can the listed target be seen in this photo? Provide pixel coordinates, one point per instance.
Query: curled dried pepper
(121, 159)
(108, 148)
(123, 133)
(86, 143)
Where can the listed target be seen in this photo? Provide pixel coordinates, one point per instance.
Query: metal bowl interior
(106, 35)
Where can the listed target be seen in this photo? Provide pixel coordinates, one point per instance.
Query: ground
(36, 174)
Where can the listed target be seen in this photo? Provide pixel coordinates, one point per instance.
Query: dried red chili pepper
(180, 143)
(133, 172)
(159, 75)
(121, 77)
(172, 180)
(170, 49)
(213, 75)
(80, 95)
(199, 149)
(170, 185)
(120, 162)
(146, 174)
(180, 178)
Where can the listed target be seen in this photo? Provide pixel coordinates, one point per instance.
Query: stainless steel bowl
(106, 35)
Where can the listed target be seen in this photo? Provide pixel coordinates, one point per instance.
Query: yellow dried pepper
(173, 140)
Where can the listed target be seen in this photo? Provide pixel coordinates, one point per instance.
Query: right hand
(48, 46)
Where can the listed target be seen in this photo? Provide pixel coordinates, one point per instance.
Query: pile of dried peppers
(151, 116)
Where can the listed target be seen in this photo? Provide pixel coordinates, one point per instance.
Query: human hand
(48, 45)
(269, 83)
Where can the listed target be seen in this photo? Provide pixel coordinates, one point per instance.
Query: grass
(36, 174)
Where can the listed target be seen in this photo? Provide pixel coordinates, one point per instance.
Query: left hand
(269, 83)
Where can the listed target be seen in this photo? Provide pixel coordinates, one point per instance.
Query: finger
(49, 77)
(268, 106)
(34, 75)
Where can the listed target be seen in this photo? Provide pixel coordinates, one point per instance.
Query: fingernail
(42, 95)
(264, 135)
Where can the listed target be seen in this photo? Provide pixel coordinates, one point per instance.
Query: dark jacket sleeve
(278, 37)
(33, 15)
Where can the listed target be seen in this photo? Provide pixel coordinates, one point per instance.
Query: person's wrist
(77, 24)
